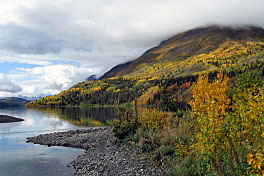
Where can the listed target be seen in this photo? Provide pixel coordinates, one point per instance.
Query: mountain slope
(14, 100)
(163, 75)
(187, 44)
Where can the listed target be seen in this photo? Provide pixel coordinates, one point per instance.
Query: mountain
(12, 102)
(92, 77)
(180, 47)
(32, 98)
(163, 75)
(115, 70)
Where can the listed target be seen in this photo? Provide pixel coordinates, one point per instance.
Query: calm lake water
(25, 159)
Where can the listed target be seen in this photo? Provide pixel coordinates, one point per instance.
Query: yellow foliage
(154, 78)
(228, 54)
(141, 80)
(256, 162)
(113, 78)
(220, 132)
(209, 105)
(249, 105)
(118, 90)
(152, 118)
(148, 95)
(96, 88)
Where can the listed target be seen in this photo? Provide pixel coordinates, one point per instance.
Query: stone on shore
(102, 156)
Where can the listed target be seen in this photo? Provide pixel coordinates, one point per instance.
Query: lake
(26, 159)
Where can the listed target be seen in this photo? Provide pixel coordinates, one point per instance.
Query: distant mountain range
(32, 98)
(12, 102)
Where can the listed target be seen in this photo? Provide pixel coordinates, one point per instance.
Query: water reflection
(34, 121)
(82, 116)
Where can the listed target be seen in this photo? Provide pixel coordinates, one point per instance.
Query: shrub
(192, 166)
(230, 134)
(124, 127)
(148, 140)
(166, 150)
(110, 89)
(155, 119)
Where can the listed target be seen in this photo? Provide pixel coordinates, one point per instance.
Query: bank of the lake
(102, 155)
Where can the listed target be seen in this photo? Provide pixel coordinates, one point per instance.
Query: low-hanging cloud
(22, 40)
(6, 85)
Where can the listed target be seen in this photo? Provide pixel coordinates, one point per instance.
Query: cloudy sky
(48, 46)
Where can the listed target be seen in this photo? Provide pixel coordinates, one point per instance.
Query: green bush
(192, 166)
(166, 150)
(124, 128)
(110, 89)
(148, 139)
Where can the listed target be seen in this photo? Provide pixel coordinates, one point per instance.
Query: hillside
(175, 53)
(14, 100)
(163, 75)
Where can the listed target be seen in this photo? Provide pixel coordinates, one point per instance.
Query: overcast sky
(47, 46)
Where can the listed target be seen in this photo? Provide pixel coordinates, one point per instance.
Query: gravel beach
(102, 156)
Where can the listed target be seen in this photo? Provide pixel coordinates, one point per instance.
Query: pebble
(102, 156)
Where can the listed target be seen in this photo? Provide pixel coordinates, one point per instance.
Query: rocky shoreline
(9, 119)
(102, 156)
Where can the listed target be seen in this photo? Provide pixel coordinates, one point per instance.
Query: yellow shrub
(249, 105)
(141, 81)
(118, 90)
(152, 118)
(96, 88)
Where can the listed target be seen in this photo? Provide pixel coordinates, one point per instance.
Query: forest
(221, 132)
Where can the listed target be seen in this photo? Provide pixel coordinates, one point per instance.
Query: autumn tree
(210, 107)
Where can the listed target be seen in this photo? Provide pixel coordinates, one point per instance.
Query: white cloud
(8, 10)
(6, 85)
(51, 79)
(26, 59)
(60, 77)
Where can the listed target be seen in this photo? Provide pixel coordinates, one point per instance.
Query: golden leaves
(256, 161)
(209, 105)
(219, 131)
(249, 106)
(152, 118)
